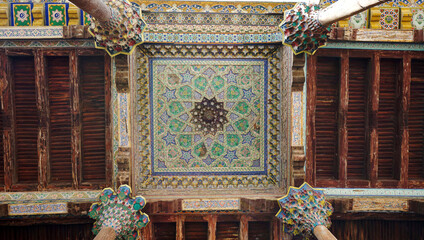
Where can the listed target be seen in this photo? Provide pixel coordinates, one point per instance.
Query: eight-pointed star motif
(57, 15)
(22, 15)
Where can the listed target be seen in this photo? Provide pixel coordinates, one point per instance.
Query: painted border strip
(37, 209)
(31, 32)
(373, 192)
(210, 204)
(40, 197)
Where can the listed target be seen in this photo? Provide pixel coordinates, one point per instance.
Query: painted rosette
(301, 29)
(123, 32)
(119, 211)
(302, 209)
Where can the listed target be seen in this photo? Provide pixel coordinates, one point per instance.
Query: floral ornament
(119, 211)
(57, 16)
(123, 32)
(303, 209)
(22, 15)
(209, 116)
(301, 29)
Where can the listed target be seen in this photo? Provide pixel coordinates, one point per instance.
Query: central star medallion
(209, 116)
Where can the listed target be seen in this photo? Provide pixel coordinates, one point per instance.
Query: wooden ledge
(377, 35)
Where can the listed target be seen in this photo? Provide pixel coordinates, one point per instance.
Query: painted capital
(123, 31)
(303, 209)
(119, 211)
(302, 30)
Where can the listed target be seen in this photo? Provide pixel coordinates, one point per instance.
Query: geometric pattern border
(31, 32)
(38, 197)
(210, 204)
(37, 209)
(376, 46)
(373, 192)
(144, 179)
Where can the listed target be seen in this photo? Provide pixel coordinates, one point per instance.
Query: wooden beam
(7, 108)
(44, 119)
(108, 120)
(212, 219)
(244, 227)
(374, 90)
(96, 8)
(180, 227)
(405, 82)
(75, 118)
(342, 118)
(310, 120)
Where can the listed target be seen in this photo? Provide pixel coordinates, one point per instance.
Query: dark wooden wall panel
(165, 231)
(26, 119)
(1, 150)
(93, 119)
(60, 119)
(388, 146)
(416, 122)
(326, 121)
(227, 230)
(196, 231)
(47, 232)
(357, 118)
(378, 229)
(259, 230)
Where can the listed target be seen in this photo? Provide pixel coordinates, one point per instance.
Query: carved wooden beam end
(119, 212)
(123, 31)
(117, 25)
(301, 29)
(305, 27)
(304, 211)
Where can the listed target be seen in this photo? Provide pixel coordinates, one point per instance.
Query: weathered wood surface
(107, 233)
(342, 118)
(322, 233)
(310, 121)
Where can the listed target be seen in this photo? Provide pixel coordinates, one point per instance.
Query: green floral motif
(218, 83)
(176, 125)
(245, 152)
(22, 14)
(200, 83)
(217, 149)
(242, 108)
(200, 150)
(233, 140)
(233, 92)
(57, 15)
(242, 125)
(185, 92)
(245, 79)
(176, 108)
(172, 153)
(185, 141)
